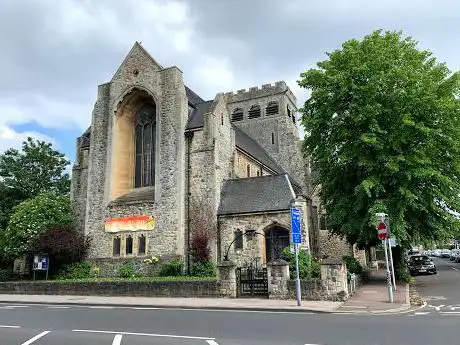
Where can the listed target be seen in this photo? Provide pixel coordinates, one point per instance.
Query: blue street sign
(296, 229)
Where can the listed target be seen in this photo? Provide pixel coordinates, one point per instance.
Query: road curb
(159, 306)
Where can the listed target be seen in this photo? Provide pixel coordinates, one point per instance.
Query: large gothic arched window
(145, 129)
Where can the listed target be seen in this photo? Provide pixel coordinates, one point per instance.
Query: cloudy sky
(55, 53)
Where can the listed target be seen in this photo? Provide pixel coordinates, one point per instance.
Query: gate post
(278, 277)
(226, 275)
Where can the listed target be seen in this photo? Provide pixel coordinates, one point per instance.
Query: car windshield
(419, 259)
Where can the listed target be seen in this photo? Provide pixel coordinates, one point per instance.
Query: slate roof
(245, 143)
(256, 194)
(196, 118)
(192, 97)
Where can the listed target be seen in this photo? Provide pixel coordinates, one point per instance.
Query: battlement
(260, 91)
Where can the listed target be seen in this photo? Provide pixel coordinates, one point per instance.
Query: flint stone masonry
(103, 182)
(332, 246)
(185, 288)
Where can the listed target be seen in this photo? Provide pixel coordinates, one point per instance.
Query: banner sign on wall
(131, 223)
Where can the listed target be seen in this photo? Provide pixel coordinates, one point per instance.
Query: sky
(54, 54)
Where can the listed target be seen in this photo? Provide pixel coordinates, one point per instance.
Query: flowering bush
(32, 218)
(151, 261)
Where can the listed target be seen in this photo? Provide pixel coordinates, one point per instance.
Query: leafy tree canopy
(382, 126)
(35, 169)
(31, 219)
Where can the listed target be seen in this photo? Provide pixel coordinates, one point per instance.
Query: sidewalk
(252, 304)
(372, 298)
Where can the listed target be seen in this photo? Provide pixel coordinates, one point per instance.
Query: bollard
(390, 288)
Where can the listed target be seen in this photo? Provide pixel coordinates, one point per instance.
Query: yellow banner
(132, 223)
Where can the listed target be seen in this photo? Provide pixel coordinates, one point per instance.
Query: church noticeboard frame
(131, 223)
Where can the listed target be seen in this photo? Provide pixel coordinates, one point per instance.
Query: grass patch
(134, 279)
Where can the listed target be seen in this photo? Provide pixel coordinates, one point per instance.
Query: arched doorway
(276, 239)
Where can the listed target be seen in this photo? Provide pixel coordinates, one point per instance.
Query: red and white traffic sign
(382, 231)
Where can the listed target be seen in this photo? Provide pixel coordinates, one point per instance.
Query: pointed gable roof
(137, 49)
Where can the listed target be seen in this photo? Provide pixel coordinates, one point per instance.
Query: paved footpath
(369, 298)
(183, 303)
(372, 298)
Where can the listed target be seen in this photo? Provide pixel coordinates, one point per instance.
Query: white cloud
(12, 139)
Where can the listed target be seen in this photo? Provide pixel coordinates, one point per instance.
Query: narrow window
(237, 114)
(145, 129)
(271, 109)
(258, 173)
(273, 138)
(116, 246)
(141, 246)
(129, 245)
(222, 120)
(293, 118)
(248, 170)
(238, 239)
(322, 222)
(254, 112)
(288, 111)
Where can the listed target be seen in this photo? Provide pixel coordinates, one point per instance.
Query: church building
(158, 162)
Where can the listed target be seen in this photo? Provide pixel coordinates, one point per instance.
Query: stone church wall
(253, 249)
(167, 89)
(332, 246)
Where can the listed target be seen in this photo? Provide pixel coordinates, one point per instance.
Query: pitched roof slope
(256, 194)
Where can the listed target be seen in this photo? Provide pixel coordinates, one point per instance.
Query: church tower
(268, 115)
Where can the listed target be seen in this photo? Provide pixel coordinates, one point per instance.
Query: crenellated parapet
(264, 90)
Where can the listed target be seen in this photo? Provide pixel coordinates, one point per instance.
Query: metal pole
(392, 265)
(390, 289)
(297, 280)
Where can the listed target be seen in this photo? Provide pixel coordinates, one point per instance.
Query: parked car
(445, 253)
(421, 264)
(453, 254)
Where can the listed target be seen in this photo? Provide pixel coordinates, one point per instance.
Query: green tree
(382, 130)
(31, 219)
(35, 169)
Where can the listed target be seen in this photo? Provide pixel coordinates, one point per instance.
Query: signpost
(382, 233)
(296, 233)
(41, 263)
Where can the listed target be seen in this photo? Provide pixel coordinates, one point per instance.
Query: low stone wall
(110, 267)
(315, 290)
(185, 288)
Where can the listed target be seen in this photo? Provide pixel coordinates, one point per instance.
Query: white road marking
(100, 307)
(117, 339)
(143, 334)
(5, 326)
(6, 308)
(438, 308)
(17, 306)
(58, 307)
(422, 313)
(211, 342)
(450, 312)
(38, 336)
(454, 268)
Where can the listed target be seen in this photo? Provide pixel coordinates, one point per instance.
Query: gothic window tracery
(145, 136)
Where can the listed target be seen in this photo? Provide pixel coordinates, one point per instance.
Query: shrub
(77, 270)
(203, 269)
(5, 275)
(309, 267)
(173, 268)
(129, 270)
(63, 245)
(353, 265)
(32, 218)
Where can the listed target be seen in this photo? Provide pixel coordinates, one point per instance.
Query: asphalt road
(441, 291)
(72, 325)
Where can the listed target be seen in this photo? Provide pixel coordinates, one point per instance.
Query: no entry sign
(382, 231)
